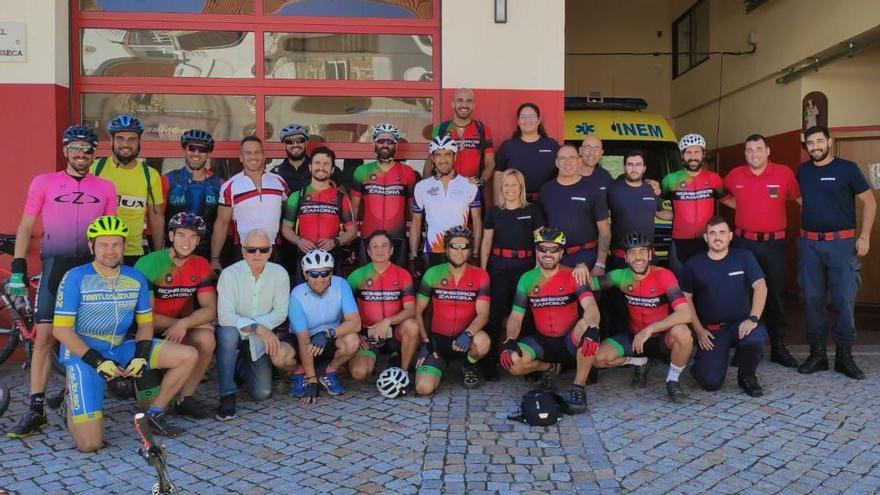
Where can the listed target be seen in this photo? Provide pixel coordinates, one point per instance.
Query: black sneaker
(226, 411)
(576, 399)
(676, 394)
(161, 425)
(548, 378)
(640, 375)
(190, 407)
(471, 378)
(751, 386)
(31, 422)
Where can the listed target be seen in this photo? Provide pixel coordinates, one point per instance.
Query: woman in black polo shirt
(529, 150)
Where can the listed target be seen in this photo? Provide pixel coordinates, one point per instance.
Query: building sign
(12, 42)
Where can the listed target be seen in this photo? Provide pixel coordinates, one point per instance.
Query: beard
(693, 165)
(823, 154)
(296, 158)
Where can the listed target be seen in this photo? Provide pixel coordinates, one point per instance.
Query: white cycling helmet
(443, 142)
(392, 383)
(691, 140)
(316, 259)
(386, 128)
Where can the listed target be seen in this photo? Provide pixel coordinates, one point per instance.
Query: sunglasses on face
(460, 246)
(263, 249)
(81, 148)
(385, 141)
(294, 141)
(549, 249)
(197, 148)
(319, 274)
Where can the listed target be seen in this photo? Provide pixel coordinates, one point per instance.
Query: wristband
(93, 358)
(142, 349)
(19, 265)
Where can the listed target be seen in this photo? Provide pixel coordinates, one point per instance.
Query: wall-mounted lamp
(500, 11)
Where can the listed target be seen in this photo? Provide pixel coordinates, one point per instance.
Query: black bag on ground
(540, 408)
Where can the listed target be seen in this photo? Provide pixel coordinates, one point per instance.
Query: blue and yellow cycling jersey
(101, 310)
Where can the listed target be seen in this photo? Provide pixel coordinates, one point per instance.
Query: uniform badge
(653, 290)
(774, 192)
(629, 288)
(168, 278)
(682, 185)
(561, 288)
(535, 289)
(444, 282)
(470, 284)
(193, 279)
(373, 177)
(394, 282)
(369, 282)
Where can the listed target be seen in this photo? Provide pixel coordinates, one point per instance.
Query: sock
(154, 411)
(471, 360)
(635, 361)
(674, 371)
(37, 402)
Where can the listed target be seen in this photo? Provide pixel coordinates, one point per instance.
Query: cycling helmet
(293, 130)
(107, 225)
(458, 231)
(80, 132)
(635, 240)
(691, 140)
(550, 234)
(386, 128)
(125, 123)
(317, 258)
(392, 383)
(443, 142)
(186, 220)
(197, 136)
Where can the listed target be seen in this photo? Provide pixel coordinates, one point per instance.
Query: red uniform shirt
(760, 199)
(467, 160)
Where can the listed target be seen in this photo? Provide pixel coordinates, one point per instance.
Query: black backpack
(540, 408)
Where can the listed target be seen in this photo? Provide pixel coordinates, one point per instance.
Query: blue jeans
(829, 267)
(710, 367)
(256, 375)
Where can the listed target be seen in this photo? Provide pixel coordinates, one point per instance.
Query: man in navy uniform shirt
(829, 250)
(718, 284)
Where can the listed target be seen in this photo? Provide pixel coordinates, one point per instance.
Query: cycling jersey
(174, 288)
(648, 300)
(444, 207)
(201, 198)
(385, 197)
(67, 206)
(693, 201)
(471, 148)
(381, 295)
(317, 215)
(316, 313)
(254, 208)
(454, 305)
(554, 301)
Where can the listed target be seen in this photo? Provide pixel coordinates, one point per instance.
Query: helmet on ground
(317, 258)
(186, 220)
(636, 240)
(125, 123)
(293, 130)
(80, 132)
(197, 136)
(458, 231)
(107, 225)
(386, 128)
(443, 142)
(689, 140)
(392, 383)
(550, 234)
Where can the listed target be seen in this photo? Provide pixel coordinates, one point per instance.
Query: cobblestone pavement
(808, 434)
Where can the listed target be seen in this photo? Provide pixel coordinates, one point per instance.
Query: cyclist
(382, 194)
(96, 305)
(194, 188)
(562, 336)
(459, 297)
(184, 300)
(386, 300)
(475, 159)
(67, 201)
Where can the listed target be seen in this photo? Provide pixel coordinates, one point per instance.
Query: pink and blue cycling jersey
(67, 206)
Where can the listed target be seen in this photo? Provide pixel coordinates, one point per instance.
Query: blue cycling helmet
(293, 130)
(197, 136)
(125, 123)
(80, 132)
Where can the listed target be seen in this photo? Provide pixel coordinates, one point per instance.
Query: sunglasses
(459, 245)
(252, 250)
(317, 274)
(197, 148)
(385, 141)
(294, 141)
(548, 249)
(81, 148)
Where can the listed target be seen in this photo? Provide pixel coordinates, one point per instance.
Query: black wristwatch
(754, 318)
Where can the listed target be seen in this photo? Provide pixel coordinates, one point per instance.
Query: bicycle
(154, 455)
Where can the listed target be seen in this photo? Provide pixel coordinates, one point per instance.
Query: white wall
(47, 42)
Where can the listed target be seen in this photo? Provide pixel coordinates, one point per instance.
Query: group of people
(441, 276)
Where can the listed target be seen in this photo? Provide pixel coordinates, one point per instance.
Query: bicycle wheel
(4, 398)
(12, 339)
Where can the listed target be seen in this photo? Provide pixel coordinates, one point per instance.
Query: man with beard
(829, 249)
(382, 194)
(318, 216)
(476, 155)
(563, 337)
(717, 285)
(693, 191)
(67, 201)
(295, 167)
(184, 303)
(444, 200)
(194, 188)
(138, 186)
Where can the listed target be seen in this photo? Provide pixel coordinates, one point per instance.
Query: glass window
(171, 6)
(400, 9)
(166, 116)
(349, 56)
(690, 38)
(348, 119)
(159, 53)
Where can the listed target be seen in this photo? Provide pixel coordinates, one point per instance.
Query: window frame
(691, 52)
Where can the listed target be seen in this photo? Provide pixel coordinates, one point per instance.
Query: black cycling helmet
(186, 220)
(80, 132)
(197, 136)
(635, 240)
(458, 231)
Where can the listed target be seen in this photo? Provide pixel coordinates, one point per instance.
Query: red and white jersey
(254, 208)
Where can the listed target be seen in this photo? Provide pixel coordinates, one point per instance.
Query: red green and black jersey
(385, 197)
(317, 215)
(554, 301)
(648, 300)
(381, 295)
(693, 201)
(454, 304)
(174, 288)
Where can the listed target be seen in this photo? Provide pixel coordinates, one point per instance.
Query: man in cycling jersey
(473, 139)
(96, 305)
(324, 324)
(382, 194)
(386, 301)
(659, 317)
(184, 300)
(563, 337)
(67, 201)
(458, 294)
